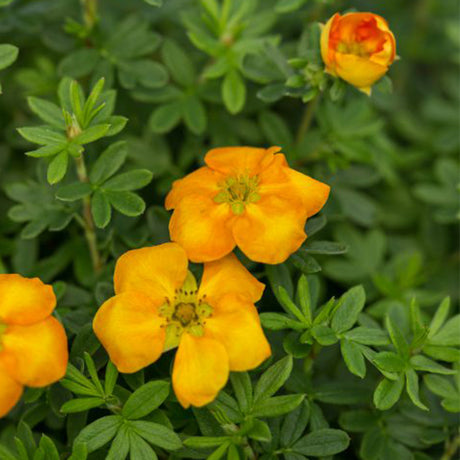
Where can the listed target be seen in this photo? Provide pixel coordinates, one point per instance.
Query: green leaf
(178, 63)
(128, 203)
(99, 433)
(321, 443)
(48, 448)
(278, 322)
(325, 247)
(157, 3)
(91, 134)
(100, 209)
(303, 294)
(273, 379)
(117, 124)
(109, 162)
(148, 73)
(79, 63)
(260, 431)
(120, 445)
(195, 115)
(348, 309)
(367, 336)
(439, 317)
(139, 449)
(288, 305)
(79, 452)
(81, 404)
(353, 358)
(47, 150)
(8, 54)
(233, 92)
(165, 117)
(47, 111)
(388, 392)
(58, 168)
(422, 363)
(128, 181)
(440, 386)
(157, 434)
(242, 387)
(397, 338)
(204, 442)
(73, 192)
(277, 405)
(42, 135)
(294, 424)
(276, 129)
(145, 399)
(448, 335)
(111, 376)
(389, 361)
(324, 335)
(412, 388)
(304, 262)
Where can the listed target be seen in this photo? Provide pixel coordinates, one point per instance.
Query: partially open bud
(358, 47)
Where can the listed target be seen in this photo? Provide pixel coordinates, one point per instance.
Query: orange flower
(33, 344)
(246, 197)
(159, 306)
(358, 47)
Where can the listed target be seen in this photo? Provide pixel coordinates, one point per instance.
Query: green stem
(89, 227)
(89, 13)
(307, 118)
(451, 448)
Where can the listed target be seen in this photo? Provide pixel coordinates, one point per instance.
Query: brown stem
(89, 227)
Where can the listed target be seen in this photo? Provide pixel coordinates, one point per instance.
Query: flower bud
(358, 47)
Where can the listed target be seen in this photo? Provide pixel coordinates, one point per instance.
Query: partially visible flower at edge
(246, 197)
(358, 47)
(33, 344)
(158, 306)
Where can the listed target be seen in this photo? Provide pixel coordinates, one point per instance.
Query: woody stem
(88, 222)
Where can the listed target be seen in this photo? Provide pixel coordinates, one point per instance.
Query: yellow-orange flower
(358, 47)
(246, 197)
(159, 306)
(33, 344)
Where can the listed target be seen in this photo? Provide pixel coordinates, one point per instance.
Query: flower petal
(239, 160)
(271, 229)
(11, 391)
(280, 180)
(326, 51)
(229, 275)
(236, 324)
(24, 300)
(202, 228)
(358, 71)
(156, 271)
(200, 370)
(130, 329)
(35, 355)
(203, 181)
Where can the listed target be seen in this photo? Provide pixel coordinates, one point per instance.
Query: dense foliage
(363, 320)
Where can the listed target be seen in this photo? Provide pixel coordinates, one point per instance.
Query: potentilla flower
(246, 197)
(358, 47)
(33, 344)
(158, 306)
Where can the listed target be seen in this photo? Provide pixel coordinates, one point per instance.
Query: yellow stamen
(185, 312)
(238, 191)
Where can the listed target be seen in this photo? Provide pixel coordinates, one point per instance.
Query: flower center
(238, 191)
(184, 312)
